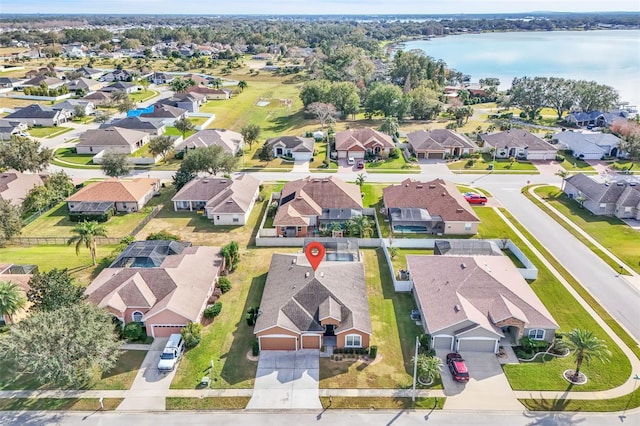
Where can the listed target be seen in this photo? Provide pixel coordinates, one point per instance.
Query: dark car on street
(457, 367)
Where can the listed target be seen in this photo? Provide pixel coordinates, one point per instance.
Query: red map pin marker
(315, 254)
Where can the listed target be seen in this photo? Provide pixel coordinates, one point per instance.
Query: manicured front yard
(573, 164)
(172, 131)
(207, 403)
(63, 404)
(391, 164)
(393, 332)
(618, 237)
(569, 314)
(68, 155)
(499, 164)
(143, 95)
(320, 155)
(48, 132)
(120, 377)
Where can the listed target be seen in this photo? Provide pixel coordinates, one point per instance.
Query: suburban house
(8, 83)
(12, 127)
(620, 199)
(519, 144)
(439, 144)
(118, 75)
(161, 78)
(122, 86)
(187, 101)
(590, 146)
(307, 204)
(162, 285)
(43, 80)
(167, 113)
(41, 71)
(113, 194)
(292, 146)
(435, 207)
(111, 139)
(19, 275)
(225, 201)
(476, 303)
(306, 309)
(594, 118)
(82, 83)
(39, 115)
(356, 143)
(153, 127)
(88, 72)
(70, 105)
(14, 186)
(198, 79)
(231, 142)
(211, 93)
(98, 98)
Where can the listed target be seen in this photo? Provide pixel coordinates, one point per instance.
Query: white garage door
(303, 156)
(471, 345)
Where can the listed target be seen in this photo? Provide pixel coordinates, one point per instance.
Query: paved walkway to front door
(287, 380)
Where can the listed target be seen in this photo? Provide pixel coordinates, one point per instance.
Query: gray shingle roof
(517, 138)
(596, 191)
(294, 143)
(227, 139)
(33, 111)
(293, 295)
(222, 195)
(438, 139)
(111, 136)
(135, 123)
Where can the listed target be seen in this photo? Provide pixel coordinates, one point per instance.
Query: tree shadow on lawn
(237, 368)
(551, 411)
(280, 124)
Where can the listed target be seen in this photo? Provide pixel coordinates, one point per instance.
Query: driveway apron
(286, 380)
(487, 389)
(153, 384)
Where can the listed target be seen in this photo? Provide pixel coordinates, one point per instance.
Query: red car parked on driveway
(473, 198)
(457, 367)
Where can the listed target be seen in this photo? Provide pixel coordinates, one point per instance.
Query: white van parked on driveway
(171, 353)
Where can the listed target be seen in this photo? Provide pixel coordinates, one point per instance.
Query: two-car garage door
(268, 343)
(477, 345)
(165, 330)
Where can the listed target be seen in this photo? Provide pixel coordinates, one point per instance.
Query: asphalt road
(337, 417)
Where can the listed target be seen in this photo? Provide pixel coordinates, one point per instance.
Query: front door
(330, 330)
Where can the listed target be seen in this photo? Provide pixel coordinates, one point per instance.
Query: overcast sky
(284, 7)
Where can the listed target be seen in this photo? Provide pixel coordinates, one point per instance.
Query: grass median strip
(208, 403)
(361, 402)
(66, 404)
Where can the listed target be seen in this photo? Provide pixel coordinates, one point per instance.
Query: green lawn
(389, 164)
(400, 260)
(228, 339)
(499, 164)
(68, 155)
(569, 314)
(207, 403)
(142, 152)
(120, 377)
(56, 223)
(320, 155)
(622, 403)
(198, 121)
(143, 95)
(618, 237)
(172, 131)
(382, 403)
(64, 404)
(48, 132)
(393, 332)
(49, 257)
(619, 164)
(572, 164)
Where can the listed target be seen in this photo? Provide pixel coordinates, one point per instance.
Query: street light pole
(415, 370)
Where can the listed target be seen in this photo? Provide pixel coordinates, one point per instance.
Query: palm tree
(389, 126)
(360, 226)
(585, 346)
(12, 299)
(429, 367)
(242, 85)
(216, 83)
(360, 180)
(564, 175)
(87, 233)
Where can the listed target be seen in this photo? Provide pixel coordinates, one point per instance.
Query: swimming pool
(410, 228)
(340, 257)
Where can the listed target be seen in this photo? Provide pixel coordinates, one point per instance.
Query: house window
(299, 228)
(137, 316)
(467, 226)
(353, 341)
(536, 334)
(217, 217)
(236, 218)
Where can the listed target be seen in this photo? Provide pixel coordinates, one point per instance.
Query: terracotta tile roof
(438, 197)
(294, 295)
(309, 196)
(116, 190)
(363, 139)
(480, 289)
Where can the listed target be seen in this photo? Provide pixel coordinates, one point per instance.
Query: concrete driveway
(286, 380)
(487, 389)
(154, 384)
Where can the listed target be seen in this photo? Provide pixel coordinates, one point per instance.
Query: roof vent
(294, 260)
(223, 181)
(406, 185)
(432, 186)
(205, 181)
(306, 274)
(463, 265)
(321, 274)
(419, 186)
(325, 180)
(620, 183)
(459, 210)
(456, 308)
(444, 194)
(316, 180)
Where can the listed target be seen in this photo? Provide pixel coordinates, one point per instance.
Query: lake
(608, 57)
